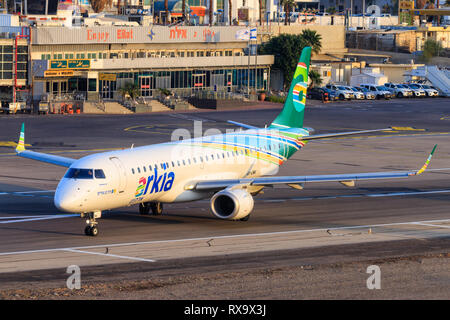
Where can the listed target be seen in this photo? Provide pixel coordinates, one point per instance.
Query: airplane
(230, 169)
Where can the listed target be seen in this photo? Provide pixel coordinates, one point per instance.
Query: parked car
(398, 90)
(429, 90)
(332, 95)
(317, 93)
(432, 88)
(418, 91)
(358, 94)
(369, 95)
(341, 91)
(379, 91)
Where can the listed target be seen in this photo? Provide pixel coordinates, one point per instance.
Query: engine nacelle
(232, 204)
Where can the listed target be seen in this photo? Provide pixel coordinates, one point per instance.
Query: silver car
(358, 94)
(399, 90)
(369, 95)
(430, 91)
(418, 91)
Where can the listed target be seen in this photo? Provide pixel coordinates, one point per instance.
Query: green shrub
(275, 99)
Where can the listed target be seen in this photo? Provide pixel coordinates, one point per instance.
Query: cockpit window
(79, 174)
(99, 174)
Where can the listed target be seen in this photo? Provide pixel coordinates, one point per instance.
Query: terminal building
(98, 61)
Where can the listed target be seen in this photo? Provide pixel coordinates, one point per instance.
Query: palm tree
(312, 39)
(130, 90)
(287, 5)
(166, 6)
(99, 5)
(230, 3)
(316, 79)
(210, 12)
(260, 2)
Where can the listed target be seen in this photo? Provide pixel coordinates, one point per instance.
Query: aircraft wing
(48, 158)
(348, 133)
(298, 181)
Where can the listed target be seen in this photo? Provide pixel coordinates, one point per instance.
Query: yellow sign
(59, 73)
(107, 76)
(406, 4)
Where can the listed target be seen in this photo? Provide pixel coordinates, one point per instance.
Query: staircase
(92, 107)
(437, 78)
(115, 107)
(158, 106)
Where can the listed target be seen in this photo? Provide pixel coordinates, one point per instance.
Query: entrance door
(146, 86)
(229, 81)
(121, 173)
(198, 81)
(107, 89)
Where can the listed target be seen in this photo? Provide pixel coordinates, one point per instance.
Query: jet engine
(232, 204)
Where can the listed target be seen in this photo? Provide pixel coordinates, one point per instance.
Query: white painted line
(226, 237)
(42, 218)
(412, 193)
(23, 193)
(24, 217)
(110, 255)
(432, 225)
(34, 191)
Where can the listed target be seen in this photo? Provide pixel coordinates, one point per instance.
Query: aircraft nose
(66, 200)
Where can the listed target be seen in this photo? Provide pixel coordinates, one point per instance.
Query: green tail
(294, 108)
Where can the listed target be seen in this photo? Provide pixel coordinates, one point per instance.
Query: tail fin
(21, 144)
(294, 107)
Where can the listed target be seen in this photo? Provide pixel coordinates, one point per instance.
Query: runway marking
(432, 225)
(110, 255)
(25, 193)
(42, 218)
(23, 217)
(224, 237)
(374, 195)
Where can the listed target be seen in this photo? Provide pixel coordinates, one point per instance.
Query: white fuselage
(164, 172)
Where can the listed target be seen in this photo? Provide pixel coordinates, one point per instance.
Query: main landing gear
(156, 207)
(91, 228)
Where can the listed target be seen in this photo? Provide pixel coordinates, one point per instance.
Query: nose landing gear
(91, 229)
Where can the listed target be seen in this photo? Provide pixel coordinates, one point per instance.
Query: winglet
(21, 145)
(424, 167)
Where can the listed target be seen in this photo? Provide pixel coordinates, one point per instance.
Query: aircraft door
(121, 173)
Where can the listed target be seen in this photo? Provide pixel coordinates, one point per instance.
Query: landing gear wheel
(157, 208)
(144, 208)
(91, 231)
(94, 231)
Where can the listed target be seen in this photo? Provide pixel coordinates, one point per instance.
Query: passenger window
(139, 170)
(173, 164)
(150, 167)
(132, 171)
(184, 163)
(145, 169)
(189, 160)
